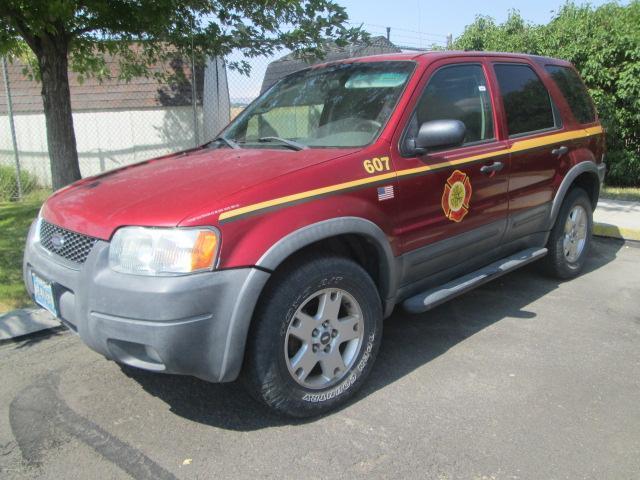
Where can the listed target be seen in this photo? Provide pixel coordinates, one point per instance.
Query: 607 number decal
(376, 164)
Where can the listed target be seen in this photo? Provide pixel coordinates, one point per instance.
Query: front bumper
(191, 324)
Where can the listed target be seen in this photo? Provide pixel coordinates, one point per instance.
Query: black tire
(557, 263)
(266, 370)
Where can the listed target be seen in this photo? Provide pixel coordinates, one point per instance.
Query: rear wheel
(315, 336)
(570, 237)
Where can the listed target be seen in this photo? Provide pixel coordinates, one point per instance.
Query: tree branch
(12, 16)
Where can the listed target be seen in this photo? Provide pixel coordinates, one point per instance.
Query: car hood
(163, 191)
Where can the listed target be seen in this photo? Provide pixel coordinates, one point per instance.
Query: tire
(305, 378)
(568, 249)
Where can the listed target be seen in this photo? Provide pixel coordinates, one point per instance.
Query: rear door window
(574, 92)
(527, 102)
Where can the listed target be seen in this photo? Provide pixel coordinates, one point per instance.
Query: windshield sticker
(376, 80)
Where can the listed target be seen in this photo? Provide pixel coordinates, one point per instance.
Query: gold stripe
(594, 130)
(301, 196)
(451, 163)
(516, 147)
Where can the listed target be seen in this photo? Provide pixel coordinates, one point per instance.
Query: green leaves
(604, 45)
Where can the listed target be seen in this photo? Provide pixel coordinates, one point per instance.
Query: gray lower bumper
(192, 324)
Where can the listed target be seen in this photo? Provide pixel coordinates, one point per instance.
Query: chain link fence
(117, 123)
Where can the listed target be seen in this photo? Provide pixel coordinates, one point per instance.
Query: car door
(453, 201)
(532, 122)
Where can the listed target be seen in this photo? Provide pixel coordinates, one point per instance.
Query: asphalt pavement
(525, 377)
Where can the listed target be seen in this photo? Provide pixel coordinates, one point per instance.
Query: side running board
(431, 298)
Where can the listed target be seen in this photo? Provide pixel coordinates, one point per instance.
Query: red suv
(275, 251)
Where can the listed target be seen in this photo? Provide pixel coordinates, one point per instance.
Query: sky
(413, 23)
(420, 21)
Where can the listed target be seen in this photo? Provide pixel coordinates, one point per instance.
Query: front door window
(457, 92)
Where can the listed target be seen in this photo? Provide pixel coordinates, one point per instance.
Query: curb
(614, 231)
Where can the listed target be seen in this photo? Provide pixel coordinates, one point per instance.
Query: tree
(604, 45)
(143, 33)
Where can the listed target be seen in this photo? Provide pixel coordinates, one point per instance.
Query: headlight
(36, 228)
(36, 234)
(163, 251)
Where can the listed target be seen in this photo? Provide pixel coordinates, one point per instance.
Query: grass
(15, 218)
(621, 193)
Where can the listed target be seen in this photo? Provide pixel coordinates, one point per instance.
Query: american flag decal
(385, 193)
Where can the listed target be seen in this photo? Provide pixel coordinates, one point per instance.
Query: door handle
(494, 167)
(558, 152)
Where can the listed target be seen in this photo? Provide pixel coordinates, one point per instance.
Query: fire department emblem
(456, 196)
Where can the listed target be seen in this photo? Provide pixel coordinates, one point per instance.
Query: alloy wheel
(324, 338)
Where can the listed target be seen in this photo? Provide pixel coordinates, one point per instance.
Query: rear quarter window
(574, 92)
(526, 100)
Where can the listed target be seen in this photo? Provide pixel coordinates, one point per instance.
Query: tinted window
(460, 93)
(574, 92)
(526, 100)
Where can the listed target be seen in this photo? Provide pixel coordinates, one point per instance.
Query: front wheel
(570, 237)
(315, 336)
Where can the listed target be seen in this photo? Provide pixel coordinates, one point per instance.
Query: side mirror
(439, 134)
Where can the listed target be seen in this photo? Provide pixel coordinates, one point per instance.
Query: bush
(604, 45)
(623, 168)
(9, 187)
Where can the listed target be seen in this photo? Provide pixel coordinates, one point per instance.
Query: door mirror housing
(439, 134)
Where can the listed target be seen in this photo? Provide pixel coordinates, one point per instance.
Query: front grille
(70, 245)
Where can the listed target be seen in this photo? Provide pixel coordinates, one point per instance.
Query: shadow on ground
(410, 341)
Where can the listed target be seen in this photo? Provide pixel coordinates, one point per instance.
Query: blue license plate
(43, 294)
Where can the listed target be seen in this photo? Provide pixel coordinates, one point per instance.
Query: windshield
(343, 105)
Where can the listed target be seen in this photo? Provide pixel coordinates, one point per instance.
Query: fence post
(194, 92)
(194, 104)
(12, 126)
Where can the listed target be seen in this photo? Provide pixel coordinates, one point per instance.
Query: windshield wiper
(284, 141)
(227, 141)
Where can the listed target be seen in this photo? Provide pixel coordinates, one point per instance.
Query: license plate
(43, 294)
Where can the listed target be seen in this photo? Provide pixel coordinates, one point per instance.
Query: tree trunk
(61, 138)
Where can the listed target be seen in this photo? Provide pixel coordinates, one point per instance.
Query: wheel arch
(355, 237)
(584, 175)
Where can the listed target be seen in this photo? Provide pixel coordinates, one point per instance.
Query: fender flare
(583, 167)
(315, 232)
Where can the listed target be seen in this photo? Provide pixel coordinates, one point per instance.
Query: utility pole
(449, 41)
(12, 125)
(389, 33)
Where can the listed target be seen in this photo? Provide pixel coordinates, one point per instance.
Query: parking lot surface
(524, 377)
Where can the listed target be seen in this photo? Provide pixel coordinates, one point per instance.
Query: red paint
(164, 192)
(192, 188)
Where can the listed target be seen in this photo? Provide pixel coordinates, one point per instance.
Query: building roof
(291, 63)
(109, 94)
